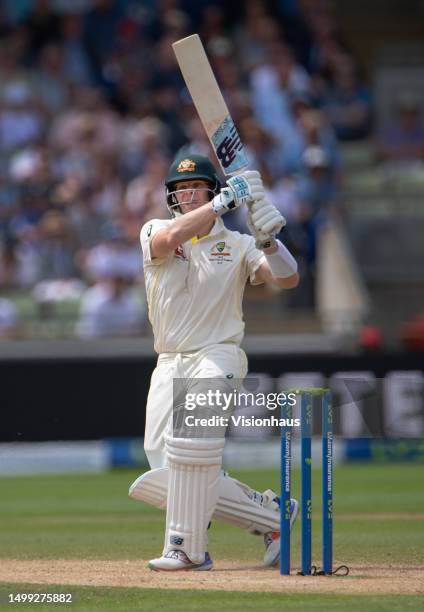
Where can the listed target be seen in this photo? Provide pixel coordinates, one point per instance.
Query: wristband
(282, 263)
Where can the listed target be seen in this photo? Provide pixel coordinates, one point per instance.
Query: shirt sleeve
(254, 258)
(149, 230)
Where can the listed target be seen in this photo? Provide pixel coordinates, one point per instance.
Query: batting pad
(194, 466)
(237, 504)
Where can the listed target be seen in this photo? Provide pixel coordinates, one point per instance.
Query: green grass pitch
(378, 520)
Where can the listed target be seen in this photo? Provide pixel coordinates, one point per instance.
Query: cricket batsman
(195, 274)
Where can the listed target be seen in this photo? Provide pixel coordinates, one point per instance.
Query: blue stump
(327, 484)
(286, 444)
(306, 472)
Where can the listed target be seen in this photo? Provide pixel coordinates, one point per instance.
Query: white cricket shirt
(195, 294)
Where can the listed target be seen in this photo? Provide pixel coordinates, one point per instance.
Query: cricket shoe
(177, 561)
(272, 538)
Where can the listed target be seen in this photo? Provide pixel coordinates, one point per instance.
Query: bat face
(210, 104)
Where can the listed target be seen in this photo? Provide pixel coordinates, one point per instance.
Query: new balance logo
(227, 149)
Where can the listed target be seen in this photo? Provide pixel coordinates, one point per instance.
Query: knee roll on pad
(194, 452)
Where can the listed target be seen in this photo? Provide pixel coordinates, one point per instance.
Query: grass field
(81, 534)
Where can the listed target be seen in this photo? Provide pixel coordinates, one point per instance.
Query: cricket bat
(210, 104)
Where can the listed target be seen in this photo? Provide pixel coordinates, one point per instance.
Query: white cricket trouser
(214, 361)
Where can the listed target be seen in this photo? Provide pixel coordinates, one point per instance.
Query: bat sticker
(228, 147)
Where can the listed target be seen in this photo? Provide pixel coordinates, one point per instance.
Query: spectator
(100, 31)
(348, 105)
(30, 172)
(273, 85)
(198, 141)
(77, 67)
(297, 30)
(109, 310)
(257, 31)
(284, 192)
(75, 196)
(9, 320)
(43, 27)
(143, 140)
(112, 307)
(145, 197)
(21, 122)
(316, 189)
(327, 46)
(28, 255)
(261, 147)
(107, 191)
(8, 266)
(310, 128)
(114, 249)
(402, 141)
(57, 248)
(213, 24)
(50, 85)
(316, 195)
(89, 125)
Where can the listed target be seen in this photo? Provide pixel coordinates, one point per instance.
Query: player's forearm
(182, 229)
(190, 224)
(287, 283)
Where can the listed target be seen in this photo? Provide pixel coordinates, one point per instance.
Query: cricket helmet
(190, 168)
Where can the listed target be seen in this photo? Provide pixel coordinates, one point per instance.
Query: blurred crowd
(93, 108)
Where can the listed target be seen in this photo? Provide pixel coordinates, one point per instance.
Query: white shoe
(272, 538)
(177, 560)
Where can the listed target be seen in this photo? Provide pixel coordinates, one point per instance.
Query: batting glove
(256, 185)
(264, 222)
(235, 194)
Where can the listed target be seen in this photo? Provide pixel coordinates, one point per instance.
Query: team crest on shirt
(220, 252)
